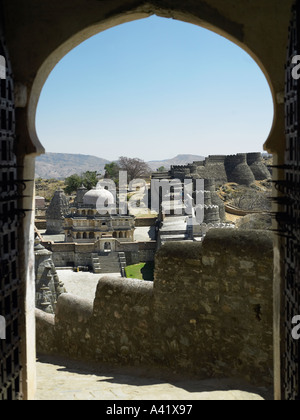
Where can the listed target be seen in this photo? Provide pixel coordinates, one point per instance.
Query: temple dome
(104, 196)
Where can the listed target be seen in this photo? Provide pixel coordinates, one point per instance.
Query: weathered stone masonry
(73, 254)
(242, 168)
(208, 312)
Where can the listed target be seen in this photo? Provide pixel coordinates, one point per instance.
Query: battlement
(215, 159)
(242, 168)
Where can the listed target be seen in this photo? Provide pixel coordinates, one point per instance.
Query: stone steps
(109, 262)
(113, 262)
(96, 263)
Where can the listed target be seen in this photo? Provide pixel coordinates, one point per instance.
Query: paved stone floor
(82, 284)
(59, 379)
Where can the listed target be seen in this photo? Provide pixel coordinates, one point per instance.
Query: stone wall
(237, 169)
(145, 221)
(70, 254)
(243, 168)
(73, 254)
(223, 293)
(257, 166)
(208, 312)
(137, 252)
(214, 169)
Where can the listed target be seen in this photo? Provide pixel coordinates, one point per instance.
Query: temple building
(86, 224)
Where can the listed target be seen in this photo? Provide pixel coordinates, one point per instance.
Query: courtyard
(78, 381)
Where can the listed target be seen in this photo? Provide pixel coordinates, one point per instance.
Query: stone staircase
(96, 263)
(110, 262)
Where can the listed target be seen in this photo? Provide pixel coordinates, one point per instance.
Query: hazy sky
(152, 89)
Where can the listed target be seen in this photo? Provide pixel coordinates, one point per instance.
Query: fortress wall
(257, 166)
(201, 171)
(223, 293)
(214, 169)
(238, 170)
(241, 168)
(208, 312)
(123, 321)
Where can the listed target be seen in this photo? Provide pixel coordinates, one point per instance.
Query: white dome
(99, 195)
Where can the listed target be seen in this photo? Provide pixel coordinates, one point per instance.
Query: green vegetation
(112, 172)
(142, 271)
(161, 169)
(88, 179)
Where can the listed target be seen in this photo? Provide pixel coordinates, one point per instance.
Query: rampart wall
(257, 166)
(243, 168)
(208, 312)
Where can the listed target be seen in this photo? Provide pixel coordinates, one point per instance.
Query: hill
(62, 165)
(178, 160)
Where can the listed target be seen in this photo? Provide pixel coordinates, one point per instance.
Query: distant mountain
(178, 160)
(62, 165)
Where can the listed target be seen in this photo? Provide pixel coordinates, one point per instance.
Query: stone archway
(124, 235)
(233, 33)
(107, 247)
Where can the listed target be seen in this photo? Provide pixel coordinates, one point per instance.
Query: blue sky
(152, 89)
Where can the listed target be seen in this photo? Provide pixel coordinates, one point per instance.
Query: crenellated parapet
(242, 168)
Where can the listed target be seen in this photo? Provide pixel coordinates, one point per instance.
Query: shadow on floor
(135, 376)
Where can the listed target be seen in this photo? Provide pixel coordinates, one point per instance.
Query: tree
(136, 168)
(112, 171)
(161, 169)
(73, 182)
(87, 179)
(90, 179)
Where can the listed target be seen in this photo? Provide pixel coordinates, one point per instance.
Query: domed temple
(93, 217)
